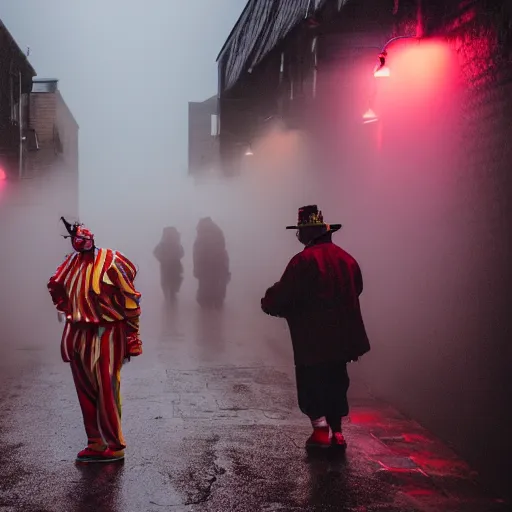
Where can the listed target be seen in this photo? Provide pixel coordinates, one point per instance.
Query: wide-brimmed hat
(310, 217)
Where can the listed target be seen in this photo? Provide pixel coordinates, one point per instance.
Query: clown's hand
(133, 345)
(61, 316)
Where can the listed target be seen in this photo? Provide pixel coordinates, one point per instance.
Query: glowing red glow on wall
(425, 62)
(420, 67)
(3, 176)
(422, 75)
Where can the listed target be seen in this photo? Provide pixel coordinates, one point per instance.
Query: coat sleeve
(358, 279)
(122, 273)
(57, 289)
(284, 299)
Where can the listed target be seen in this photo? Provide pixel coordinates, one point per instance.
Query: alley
(211, 424)
(191, 140)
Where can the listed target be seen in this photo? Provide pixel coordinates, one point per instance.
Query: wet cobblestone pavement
(211, 423)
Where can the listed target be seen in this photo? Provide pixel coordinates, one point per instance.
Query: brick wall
(58, 137)
(425, 199)
(56, 129)
(67, 129)
(43, 116)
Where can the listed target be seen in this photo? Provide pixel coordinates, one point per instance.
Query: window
(214, 125)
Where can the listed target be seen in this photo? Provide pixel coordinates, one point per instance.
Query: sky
(127, 70)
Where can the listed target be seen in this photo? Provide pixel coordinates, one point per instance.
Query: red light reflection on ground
(365, 417)
(433, 464)
(415, 438)
(418, 492)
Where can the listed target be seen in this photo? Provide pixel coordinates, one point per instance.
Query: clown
(93, 289)
(318, 295)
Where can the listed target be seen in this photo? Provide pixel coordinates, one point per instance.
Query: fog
(424, 196)
(415, 213)
(128, 84)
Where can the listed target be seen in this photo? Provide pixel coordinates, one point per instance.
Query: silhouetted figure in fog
(169, 253)
(211, 264)
(318, 295)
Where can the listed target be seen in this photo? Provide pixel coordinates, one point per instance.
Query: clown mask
(82, 240)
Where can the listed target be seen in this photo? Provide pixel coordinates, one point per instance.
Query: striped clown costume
(93, 289)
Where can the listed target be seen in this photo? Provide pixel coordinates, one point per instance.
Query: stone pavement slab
(220, 438)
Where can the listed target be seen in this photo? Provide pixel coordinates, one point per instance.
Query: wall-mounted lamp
(248, 151)
(381, 70)
(370, 117)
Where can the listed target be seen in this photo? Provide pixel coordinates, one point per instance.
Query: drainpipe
(20, 112)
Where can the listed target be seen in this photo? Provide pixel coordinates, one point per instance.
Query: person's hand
(61, 316)
(133, 345)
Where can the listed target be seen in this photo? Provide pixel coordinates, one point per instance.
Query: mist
(411, 216)
(128, 84)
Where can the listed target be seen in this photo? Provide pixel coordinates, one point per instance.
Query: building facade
(16, 75)
(51, 145)
(408, 105)
(52, 135)
(203, 142)
(38, 133)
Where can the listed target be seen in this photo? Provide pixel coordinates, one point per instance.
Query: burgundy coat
(318, 295)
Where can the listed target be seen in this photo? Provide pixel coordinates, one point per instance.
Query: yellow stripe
(130, 303)
(71, 275)
(107, 279)
(124, 284)
(98, 267)
(127, 263)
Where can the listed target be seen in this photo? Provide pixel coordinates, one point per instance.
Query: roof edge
(17, 47)
(228, 40)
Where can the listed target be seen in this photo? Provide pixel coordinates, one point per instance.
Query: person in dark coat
(211, 264)
(318, 295)
(169, 252)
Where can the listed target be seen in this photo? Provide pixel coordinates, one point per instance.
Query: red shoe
(338, 441)
(89, 455)
(319, 438)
